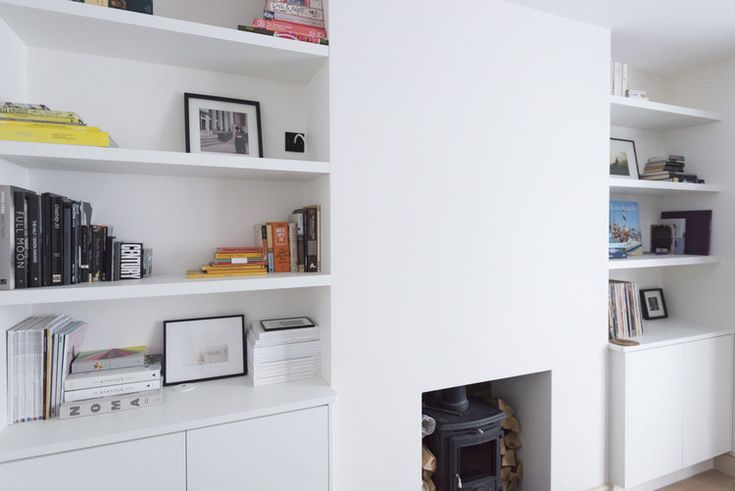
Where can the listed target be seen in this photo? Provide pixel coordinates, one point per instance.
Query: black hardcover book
(109, 256)
(129, 261)
(98, 249)
(46, 239)
(20, 239)
(301, 248)
(85, 239)
(67, 251)
(56, 224)
(35, 240)
(310, 232)
(74, 250)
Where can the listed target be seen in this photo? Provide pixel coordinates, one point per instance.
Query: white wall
(468, 214)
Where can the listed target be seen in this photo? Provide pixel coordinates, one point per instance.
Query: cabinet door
(653, 430)
(274, 453)
(149, 464)
(708, 386)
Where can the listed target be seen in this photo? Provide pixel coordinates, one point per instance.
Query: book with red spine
(290, 27)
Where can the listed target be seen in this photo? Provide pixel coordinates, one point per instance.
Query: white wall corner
(14, 67)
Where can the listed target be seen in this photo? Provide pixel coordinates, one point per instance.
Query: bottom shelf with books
(207, 404)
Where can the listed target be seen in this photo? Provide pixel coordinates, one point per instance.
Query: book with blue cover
(625, 227)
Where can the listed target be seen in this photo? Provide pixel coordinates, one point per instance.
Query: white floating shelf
(666, 332)
(161, 286)
(663, 261)
(211, 403)
(647, 115)
(129, 161)
(641, 186)
(72, 26)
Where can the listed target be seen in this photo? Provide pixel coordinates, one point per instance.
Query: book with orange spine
(281, 255)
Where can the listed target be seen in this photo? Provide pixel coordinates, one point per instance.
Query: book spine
(57, 240)
(35, 240)
(131, 260)
(298, 218)
(292, 247)
(7, 267)
(290, 27)
(20, 239)
(67, 251)
(109, 255)
(624, 80)
(111, 404)
(8, 112)
(147, 262)
(300, 11)
(270, 15)
(58, 134)
(311, 264)
(95, 379)
(97, 250)
(269, 243)
(46, 239)
(75, 251)
(281, 259)
(110, 390)
(132, 361)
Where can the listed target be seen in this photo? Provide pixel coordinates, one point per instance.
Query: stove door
(477, 460)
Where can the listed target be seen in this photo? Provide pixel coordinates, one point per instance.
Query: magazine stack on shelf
(301, 20)
(281, 350)
(624, 310)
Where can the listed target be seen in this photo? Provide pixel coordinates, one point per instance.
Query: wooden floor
(713, 480)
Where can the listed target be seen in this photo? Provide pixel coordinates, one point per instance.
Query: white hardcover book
(78, 381)
(260, 336)
(111, 404)
(286, 351)
(111, 390)
(618, 80)
(624, 80)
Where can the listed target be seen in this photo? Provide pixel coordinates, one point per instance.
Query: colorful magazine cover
(625, 227)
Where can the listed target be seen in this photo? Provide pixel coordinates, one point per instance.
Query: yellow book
(53, 133)
(237, 267)
(227, 255)
(201, 274)
(30, 118)
(14, 112)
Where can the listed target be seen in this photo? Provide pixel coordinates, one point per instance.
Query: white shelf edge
(653, 261)
(642, 186)
(180, 411)
(161, 286)
(134, 161)
(665, 108)
(666, 332)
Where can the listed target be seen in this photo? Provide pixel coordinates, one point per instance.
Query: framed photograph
(286, 323)
(654, 306)
(203, 349)
(222, 125)
(623, 159)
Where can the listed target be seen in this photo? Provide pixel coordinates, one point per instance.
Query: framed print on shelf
(203, 349)
(286, 323)
(623, 159)
(222, 125)
(654, 305)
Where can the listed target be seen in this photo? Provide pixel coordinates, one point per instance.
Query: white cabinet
(708, 393)
(671, 407)
(274, 453)
(150, 464)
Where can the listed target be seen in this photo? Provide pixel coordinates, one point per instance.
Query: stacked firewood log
(428, 468)
(511, 472)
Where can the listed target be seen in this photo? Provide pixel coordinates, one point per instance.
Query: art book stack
(668, 168)
(112, 380)
(624, 310)
(280, 247)
(302, 20)
(141, 6)
(281, 350)
(38, 123)
(39, 353)
(49, 240)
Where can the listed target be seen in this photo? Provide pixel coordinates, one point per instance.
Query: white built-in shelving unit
(649, 115)
(127, 73)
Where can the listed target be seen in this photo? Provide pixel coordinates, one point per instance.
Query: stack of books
(292, 246)
(283, 354)
(233, 261)
(50, 241)
(39, 124)
(624, 310)
(302, 20)
(668, 168)
(142, 6)
(111, 380)
(619, 79)
(40, 351)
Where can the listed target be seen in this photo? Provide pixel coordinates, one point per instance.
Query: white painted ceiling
(657, 36)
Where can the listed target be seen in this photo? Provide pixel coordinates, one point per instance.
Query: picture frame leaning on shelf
(623, 159)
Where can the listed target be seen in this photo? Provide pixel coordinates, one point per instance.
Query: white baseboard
(726, 464)
(604, 487)
(671, 478)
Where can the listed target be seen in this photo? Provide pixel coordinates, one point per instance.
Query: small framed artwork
(203, 349)
(654, 305)
(623, 159)
(286, 323)
(222, 125)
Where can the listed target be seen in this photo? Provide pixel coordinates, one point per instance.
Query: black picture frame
(653, 304)
(270, 325)
(634, 164)
(190, 97)
(167, 324)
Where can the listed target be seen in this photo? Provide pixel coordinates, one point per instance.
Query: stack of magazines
(281, 350)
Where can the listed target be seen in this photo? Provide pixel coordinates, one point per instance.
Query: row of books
(39, 124)
(49, 240)
(40, 351)
(283, 355)
(668, 168)
(624, 310)
(301, 20)
(280, 247)
(142, 6)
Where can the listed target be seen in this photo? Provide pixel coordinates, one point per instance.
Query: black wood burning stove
(466, 441)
